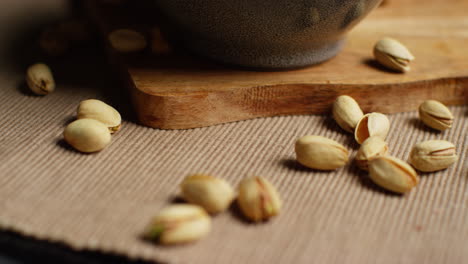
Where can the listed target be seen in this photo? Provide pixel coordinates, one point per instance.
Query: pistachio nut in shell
(75, 30)
(436, 115)
(320, 153)
(100, 111)
(179, 223)
(346, 112)
(433, 155)
(370, 148)
(392, 174)
(53, 42)
(159, 43)
(87, 135)
(213, 194)
(258, 199)
(393, 55)
(40, 79)
(127, 40)
(372, 125)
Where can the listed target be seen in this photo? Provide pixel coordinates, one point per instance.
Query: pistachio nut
(213, 194)
(53, 42)
(320, 153)
(392, 174)
(74, 30)
(436, 115)
(113, 2)
(314, 16)
(258, 199)
(126, 40)
(40, 79)
(159, 44)
(100, 111)
(179, 223)
(370, 148)
(393, 55)
(370, 125)
(433, 155)
(347, 112)
(87, 135)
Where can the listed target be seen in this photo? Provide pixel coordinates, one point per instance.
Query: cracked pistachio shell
(433, 155)
(179, 223)
(126, 40)
(213, 194)
(372, 125)
(393, 55)
(320, 153)
(370, 148)
(258, 199)
(436, 115)
(40, 79)
(392, 174)
(346, 112)
(100, 111)
(87, 135)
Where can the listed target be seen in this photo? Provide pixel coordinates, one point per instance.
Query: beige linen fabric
(103, 201)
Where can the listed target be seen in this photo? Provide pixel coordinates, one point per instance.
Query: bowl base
(263, 61)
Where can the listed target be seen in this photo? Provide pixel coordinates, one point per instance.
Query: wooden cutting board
(176, 91)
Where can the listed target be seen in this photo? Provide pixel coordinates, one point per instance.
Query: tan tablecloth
(103, 201)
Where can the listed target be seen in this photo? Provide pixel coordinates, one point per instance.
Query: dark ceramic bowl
(263, 33)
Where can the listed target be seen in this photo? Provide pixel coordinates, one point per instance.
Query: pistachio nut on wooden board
(58, 39)
(393, 55)
(53, 42)
(127, 40)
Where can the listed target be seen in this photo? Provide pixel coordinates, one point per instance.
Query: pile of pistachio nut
(96, 120)
(257, 199)
(92, 130)
(370, 130)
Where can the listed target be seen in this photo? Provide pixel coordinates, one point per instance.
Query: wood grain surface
(177, 91)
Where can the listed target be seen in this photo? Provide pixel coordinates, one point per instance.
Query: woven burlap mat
(103, 201)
